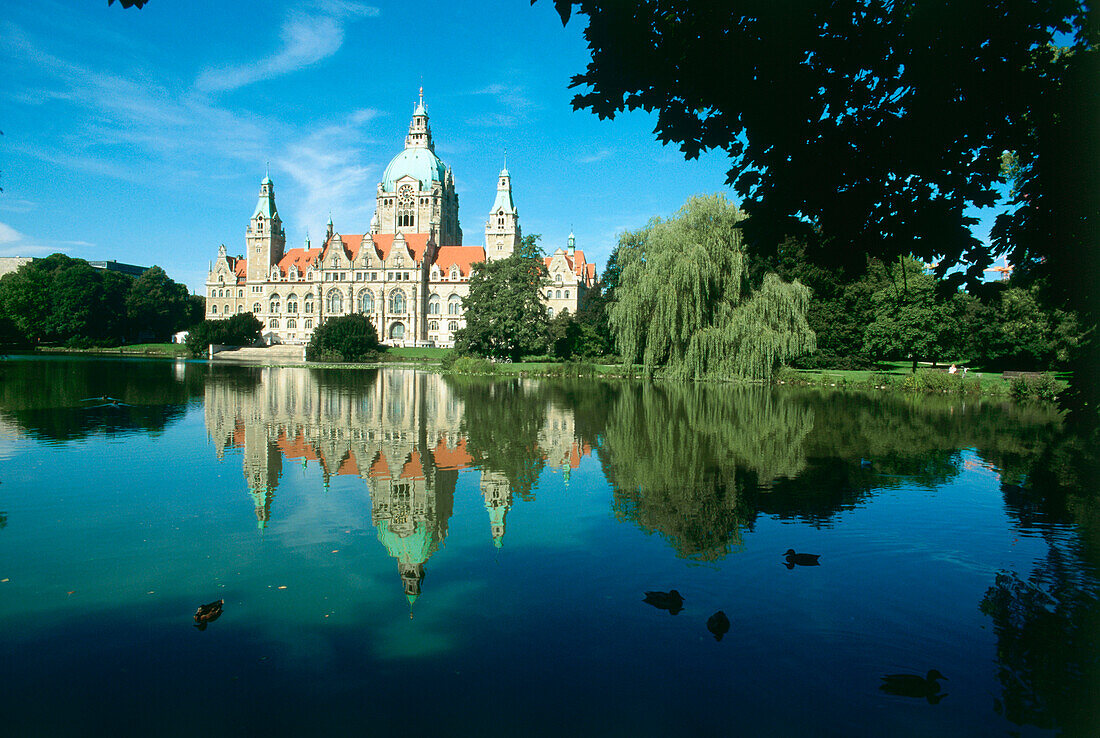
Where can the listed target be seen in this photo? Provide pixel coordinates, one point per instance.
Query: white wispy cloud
(9, 234)
(16, 205)
(601, 155)
(511, 102)
(307, 37)
(330, 175)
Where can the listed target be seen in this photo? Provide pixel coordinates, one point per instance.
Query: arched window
(550, 312)
(274, 322)
(308, 306)
(397, 330)
(454, 305)
(274, 306)
(434, 305)
(309, 323)
(256, 308)
(549, 294)
(397, 305)
(567, 294)
(366, 301)
(452, 326)
(213, 309)
(454, 273)
(292, 303)
(557, 294)
(260, 223)
(240, 308)
(433, 325)
(292, 323)
(240, 293)
(335, 302)
(557, 278)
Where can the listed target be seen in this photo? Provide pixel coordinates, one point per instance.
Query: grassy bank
(169, 350)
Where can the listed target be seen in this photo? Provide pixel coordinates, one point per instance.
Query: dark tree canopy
(344, 338)
(870, 126)
(505, 319)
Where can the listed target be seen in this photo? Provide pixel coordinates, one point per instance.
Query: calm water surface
(405, 553)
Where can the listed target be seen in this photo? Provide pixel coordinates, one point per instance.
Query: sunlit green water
(408, 553)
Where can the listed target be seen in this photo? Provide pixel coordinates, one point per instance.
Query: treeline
(682, 295)
(62, 300)
(900, 311)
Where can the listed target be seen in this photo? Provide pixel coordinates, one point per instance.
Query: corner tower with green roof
(265, 236)
(417, 191)
(502, 231)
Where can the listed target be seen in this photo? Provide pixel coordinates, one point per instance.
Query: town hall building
(408, 273)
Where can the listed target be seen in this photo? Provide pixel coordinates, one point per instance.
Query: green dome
(418, 162)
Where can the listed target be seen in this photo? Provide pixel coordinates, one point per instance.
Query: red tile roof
(349, 465)
(464, 257)
(380, 468)
(301, 258)
(452, 458)
(417, 243)
(296, 449)
(413, 469)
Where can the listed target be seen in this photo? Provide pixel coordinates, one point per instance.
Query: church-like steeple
(420, 134)
(502, 231)
(266, 237)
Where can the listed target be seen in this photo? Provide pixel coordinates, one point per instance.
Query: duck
(671, 601)
(914, 685)
(207, 614)
(718, 624)
(801, 559)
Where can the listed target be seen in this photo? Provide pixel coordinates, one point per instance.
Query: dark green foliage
(344, 338)
(59, 299)
(196, 309)
(504, 317)
(63, 300)
(242, 329)
(685, 302)
(563, 336)
(156, 305)
(909, 320)
(867, 127)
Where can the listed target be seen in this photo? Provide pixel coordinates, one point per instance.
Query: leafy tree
(344, 338)
(505, 319)
(684, 300)
(157, 304)
(196, 309)
(563, 336)
(909, 319)
(869, 127)
(243, 329)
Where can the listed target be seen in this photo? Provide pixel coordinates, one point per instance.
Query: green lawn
(418, 354)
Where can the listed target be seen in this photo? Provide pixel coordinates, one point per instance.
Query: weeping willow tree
(688, 461)
(684, 301)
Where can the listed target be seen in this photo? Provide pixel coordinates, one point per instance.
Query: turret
(502, 231)
(265, 236)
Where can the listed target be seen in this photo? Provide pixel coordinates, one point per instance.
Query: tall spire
(420, 135)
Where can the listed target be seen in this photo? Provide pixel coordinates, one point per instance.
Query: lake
(404, 552)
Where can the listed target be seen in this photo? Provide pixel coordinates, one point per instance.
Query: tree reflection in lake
(707, 468)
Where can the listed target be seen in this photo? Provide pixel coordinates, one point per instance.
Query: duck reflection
(913, 685)
(671, 601)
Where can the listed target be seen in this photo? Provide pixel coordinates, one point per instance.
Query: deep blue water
(404, 552)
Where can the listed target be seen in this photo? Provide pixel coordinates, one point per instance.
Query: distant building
(409, 272)
(116, 266)
(12, 263)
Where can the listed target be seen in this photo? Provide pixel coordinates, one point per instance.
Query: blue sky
(142, 135)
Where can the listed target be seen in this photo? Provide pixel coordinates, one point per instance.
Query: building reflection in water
(396, 429)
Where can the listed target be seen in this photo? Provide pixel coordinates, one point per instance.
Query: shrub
(344, 338)
(243, 329)
(1043, 387)
(473, 365)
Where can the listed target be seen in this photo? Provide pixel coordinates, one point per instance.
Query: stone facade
(409, 272)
